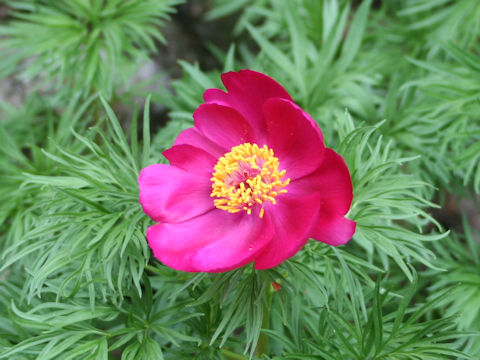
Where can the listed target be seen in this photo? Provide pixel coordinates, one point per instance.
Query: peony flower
(251, 181)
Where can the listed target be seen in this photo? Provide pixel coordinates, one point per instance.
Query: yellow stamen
(245, 177)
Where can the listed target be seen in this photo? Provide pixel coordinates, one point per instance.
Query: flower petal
(223, 125)
(214, 242)
(192, 136)
(191, 159)
(292, 218)
(247, 91)
(293, 137)
(170, 194)
(332, 180)
(336, 230)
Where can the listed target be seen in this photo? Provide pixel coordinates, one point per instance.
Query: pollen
(247, 177)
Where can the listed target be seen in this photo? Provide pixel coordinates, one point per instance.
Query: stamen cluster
(245, 177)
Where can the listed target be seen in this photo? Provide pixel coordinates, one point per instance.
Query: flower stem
(262, 346)
(230, 355)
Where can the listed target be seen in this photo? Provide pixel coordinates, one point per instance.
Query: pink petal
(247, 92)
(216, 96)
(332, 180)
(293, 218)
(191, 159)
(336, 230)
(214, 242)
(192, 136)
(223, 125)
(293, 137)
(314, 124)
(171, 194)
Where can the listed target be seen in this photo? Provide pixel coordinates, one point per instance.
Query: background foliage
(394, 86)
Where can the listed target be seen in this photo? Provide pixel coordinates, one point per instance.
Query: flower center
(245, 177)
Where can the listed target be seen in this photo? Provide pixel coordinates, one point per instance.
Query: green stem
(230, 355)
(262, 346)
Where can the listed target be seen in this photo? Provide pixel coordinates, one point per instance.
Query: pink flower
(251, 181)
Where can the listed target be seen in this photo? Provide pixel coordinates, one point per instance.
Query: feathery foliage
(86, 46)
(393, 86)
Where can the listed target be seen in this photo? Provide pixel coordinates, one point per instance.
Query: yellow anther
(245, 177)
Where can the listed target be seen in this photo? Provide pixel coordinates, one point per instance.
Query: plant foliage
(394, 87)
(83, 45)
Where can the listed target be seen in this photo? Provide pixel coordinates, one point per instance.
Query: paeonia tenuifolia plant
(250, 181)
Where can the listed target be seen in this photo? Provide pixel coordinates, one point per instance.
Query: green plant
(394, 88)
(85, 46)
